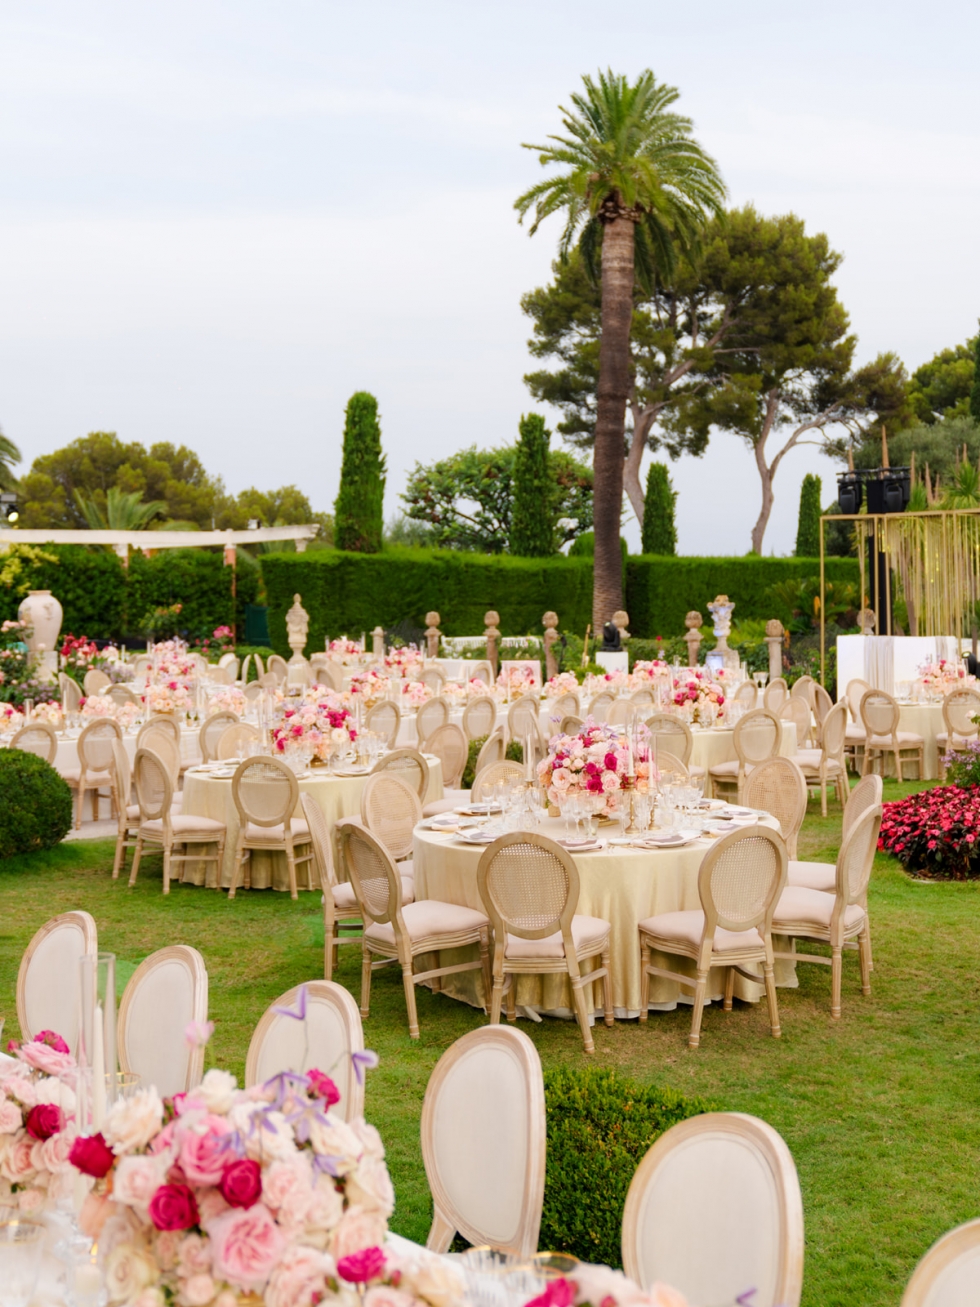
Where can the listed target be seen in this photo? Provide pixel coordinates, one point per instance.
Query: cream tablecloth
(67, 755)
(717, 744)
(338, 796)
(925, 719)
(623, 886)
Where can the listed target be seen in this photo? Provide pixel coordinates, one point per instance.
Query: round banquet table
(622, 885)
(337, 795)
(67, 755)
(717, 744)
(925, 719)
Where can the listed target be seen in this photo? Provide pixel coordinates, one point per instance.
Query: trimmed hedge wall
(346, 592)
(660, 591)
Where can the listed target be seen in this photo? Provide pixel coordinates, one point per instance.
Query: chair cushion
(427, 919)
(809, 760)
(276, 834)
(73, 775)
(451, 799)
(589, 935)
(813, 875)
(695, 771)
(132, 812)
(725, 768)
(906, 740)
(802, 909)
(855, 734)
(183, 826)
(406, 869)
(345, 900)
(959, 741)
(687, 928)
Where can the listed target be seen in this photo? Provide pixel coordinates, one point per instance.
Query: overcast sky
(218, 220)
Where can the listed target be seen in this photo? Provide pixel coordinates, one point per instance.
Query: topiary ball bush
(599, 1128)
(514, 753)
(36, 804)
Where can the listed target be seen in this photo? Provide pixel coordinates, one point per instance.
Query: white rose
(217, 1090)
(335, 1139)
(52, 1090)
(433, 1280)
(132, 1122)
(128, 1271)
(370, 1185)
(136, 1179)
(267, 1135)
(369, 1137)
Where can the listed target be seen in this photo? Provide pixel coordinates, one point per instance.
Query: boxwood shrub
(599, 1127)
(36, 807)
(514, 753)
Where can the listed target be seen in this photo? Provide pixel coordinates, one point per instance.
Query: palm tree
(9, 455)
(123, 511)
(638, 187)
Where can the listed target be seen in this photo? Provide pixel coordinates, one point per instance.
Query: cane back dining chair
(739, 883)
(948, 1274)
(451, 747)
(430, 716)
(48, 980)
(384, 719)
(38, 738)
(880, 715)
(961, 715)
(510, 773)
(747, 695)
(434, 678)
(600, 705)
(390, 810)
(325, 1040)
(121, 695)
(565, 705)
(69, 692)
(825, 765)
(775, 694)
(522, 717)
(266, 795)
(166, 992)
(643, 700)
(836, 920)
(480, 670)
(529, 887)
(398, 932)
(672, 735)
(162, 722)
(127, 813)
(570, 725)
(493, 749)
(823, 875)
(278, 667)
(777, 786)
(240, 735)
(486, 1185)
(330, 675)
(756, 737)
(802, 688)
(340, 908)
(159, 824)
(94, 682)
(162, 744)
(822, 704)
(212, 729)
(797, 711)
(94, 770)
(731, 1174)
(479, 717)
(409, 765)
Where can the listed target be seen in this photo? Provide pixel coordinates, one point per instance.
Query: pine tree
(808, 527)
(975, 390)
(659, 534)
(532, 533)
(359, 509)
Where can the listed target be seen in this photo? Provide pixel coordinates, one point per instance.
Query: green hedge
(661, 591)
(346, 592)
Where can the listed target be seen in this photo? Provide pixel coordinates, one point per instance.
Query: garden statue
(551, 638)
(297, 627)
(611, 642)
(867, 621)
(44, 614)
(721, 612)
(622, 621)
(693, 638)
(378, 644)
(774, 639)
(492, 637)
(432, 635)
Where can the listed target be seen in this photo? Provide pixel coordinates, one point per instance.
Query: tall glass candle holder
(97, 1035)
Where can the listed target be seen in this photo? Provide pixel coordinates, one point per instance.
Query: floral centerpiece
(220, 641)
(646, 670)
(229, 699)
(563, 683)
(369, 686)
(601, 1286)
(48, 712)
(459, 692)
(314, 729)
(344, 649)
(518, 678)
(595, 759)
(414, 694)
(167, 696)
(405, 660)
(100, 705)
(37, 1126)
(693, 692)
(938, 678)
(11, 719)
(225, 1196)
(604, 682)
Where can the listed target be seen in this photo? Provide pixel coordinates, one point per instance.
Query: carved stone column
(492, 637)
(378, 644)
(693, 638)
(551, 638)
(774, 639)
(432, 635)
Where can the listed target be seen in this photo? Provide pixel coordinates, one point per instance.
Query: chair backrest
(316, 819)
(409, 765)
(161, 722)
(163, 746)
(222, 673)
(598, 708)
(451, 747)
(643, 699)
(480, 671)
(48, 980)
(71, 695)
(822, 703)
(391, 809)
(265, 791)
(124, 775)
(253, 691)
(323, 1041)
(854, 693)
(879, 713)
(775, 694)
(259, 665)
(865, 795)
(741, 878)
(777, 786)
(269, 682)
(746, 694)
(166, 992)
(154, 788)
(212, 730)
(241, 735)
(797, 711)
(331, 675)
(38, 738)
(948, 1274)
(803, 689)
(373, 873)
(384, 719)
(430, 716)
(855, 859)
(522, 717)
(142, 665)
(959, 709)
(95, 744)
(95, 681)
(486, 1184)
(479, 717)
(672, 735)
(278, 667)
(434, 678)
(491, 774)
(833, 732)
(756, 737)
(729, 1174)
(230, 660)
(570, 725)
(565, 704)
(493, 749)
(121, 694)
(622, 711)
(529, 887)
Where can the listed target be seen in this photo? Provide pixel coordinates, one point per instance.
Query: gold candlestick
(628, 787)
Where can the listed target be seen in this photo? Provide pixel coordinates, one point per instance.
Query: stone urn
(44, 613)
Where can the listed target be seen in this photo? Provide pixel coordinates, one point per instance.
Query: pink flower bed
(935, 833)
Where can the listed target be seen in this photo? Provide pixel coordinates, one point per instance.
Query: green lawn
(879, 1109)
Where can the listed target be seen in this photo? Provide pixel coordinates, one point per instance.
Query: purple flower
(363, 1061)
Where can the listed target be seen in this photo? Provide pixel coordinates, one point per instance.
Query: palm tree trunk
(610, 427)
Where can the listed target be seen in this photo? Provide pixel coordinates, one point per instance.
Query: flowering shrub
(220, 641)
(18, 669)
(935, 833)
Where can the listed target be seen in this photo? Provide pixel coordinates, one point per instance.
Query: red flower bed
(935, 833)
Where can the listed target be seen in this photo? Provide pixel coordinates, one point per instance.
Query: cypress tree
(532, 530)
(975, 389)
(359, 509)
(659, 535)
(808, 527)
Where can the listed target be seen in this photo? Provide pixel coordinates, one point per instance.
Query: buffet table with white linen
(621, 885)
(337, 794)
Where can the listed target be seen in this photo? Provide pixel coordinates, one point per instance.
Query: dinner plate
(477, 809)
(673, 840)
(476, 837)
(580, 846)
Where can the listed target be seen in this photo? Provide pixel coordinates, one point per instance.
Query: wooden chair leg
(485, 968)
(437, 980)
(365, 981)
(496, 1000)
(608, 1014)
(644, 982)
(836, 963)
(137, 854)
(219, 864)
(408, 979)
(239, 852)
(81, 802)
(700, 990)
(328, 946)
(120, 854)
(582, 1016)
(729, 988)
(167, 850)
(510, 995)
(864, 955)
(291, 868)
(770, 977)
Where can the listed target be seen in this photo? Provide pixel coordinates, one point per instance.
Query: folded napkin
(580, 846)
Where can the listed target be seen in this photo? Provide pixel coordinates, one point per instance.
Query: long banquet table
(621, 885)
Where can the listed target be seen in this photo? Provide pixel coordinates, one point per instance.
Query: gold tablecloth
(621, 885)
(338, 796)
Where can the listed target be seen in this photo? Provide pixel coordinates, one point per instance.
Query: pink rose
(299, 1279)
(173, 1207)
(17, 1164)
(324, 1087)
(44, 1121)
(287, 1187)
(361, 1267)
(55, 1152)
(246, 1245)
(10, 1117)
(198, 1290)
(52, 1040)
(194, 1255)
(45, 1058)
(210, 1205)
(241, 1184)
(203, 1154)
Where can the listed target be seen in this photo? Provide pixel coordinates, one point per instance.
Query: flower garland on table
(936, 832)
(596, 759)
(562, 683)
(37, 1126)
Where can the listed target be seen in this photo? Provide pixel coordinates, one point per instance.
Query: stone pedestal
(774, 639)
(378, 644)
(693, 638)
